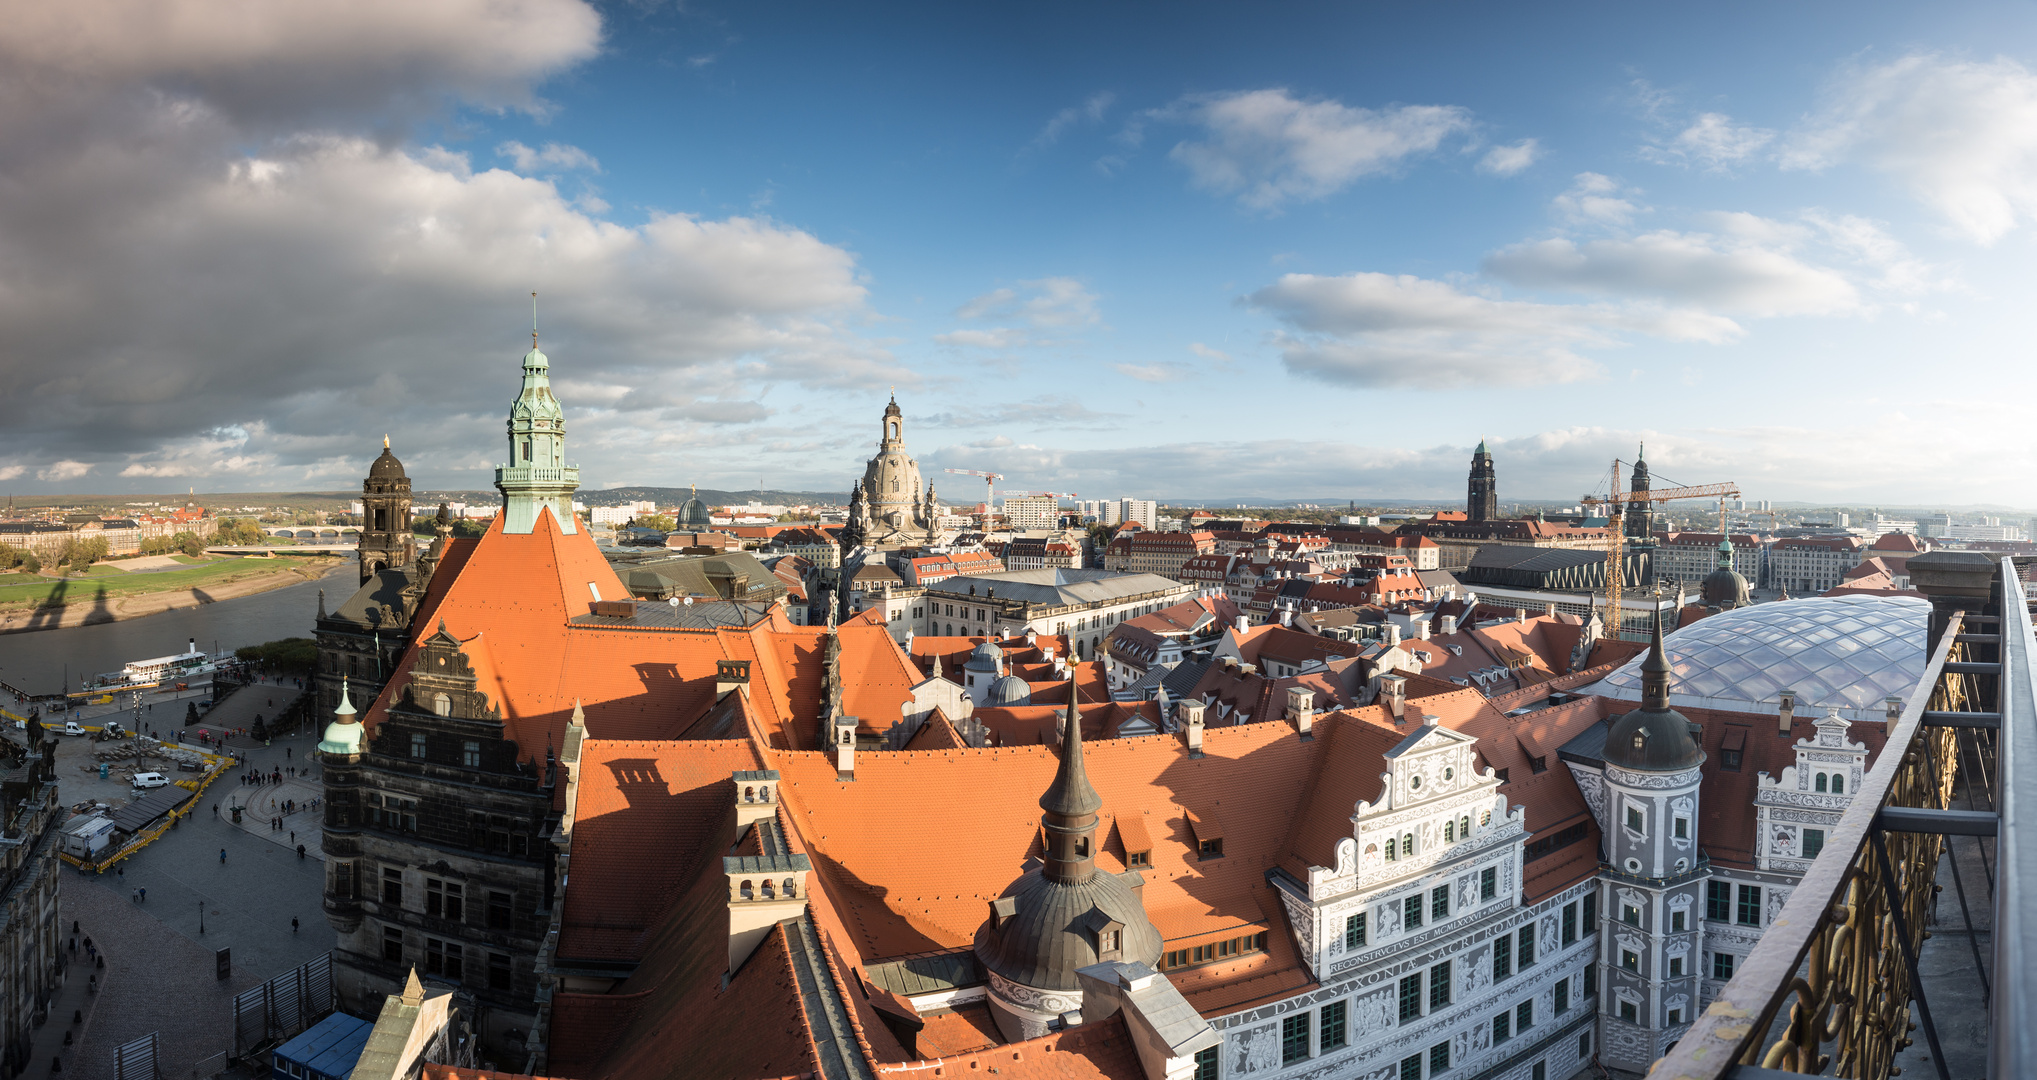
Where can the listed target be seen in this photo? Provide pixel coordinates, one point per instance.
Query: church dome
(1010, 690)
(1051, 932)
(386, 467)
(985, 657)
(343, 735)
(693, 514)
(1849, 653)
(1724, 588)
(1654, 737)
(535, 359)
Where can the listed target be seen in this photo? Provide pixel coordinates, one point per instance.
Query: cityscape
(858, 630)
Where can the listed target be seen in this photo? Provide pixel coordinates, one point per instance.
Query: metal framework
(1835, 988)
(1616, 529)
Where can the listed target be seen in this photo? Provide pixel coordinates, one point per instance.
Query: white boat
(176, 668)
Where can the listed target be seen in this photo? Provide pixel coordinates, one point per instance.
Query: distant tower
(1641, 519)
(537, 475)
(1482, 504)
(385, 516)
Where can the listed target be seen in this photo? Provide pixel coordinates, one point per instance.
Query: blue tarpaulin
(326, 1051)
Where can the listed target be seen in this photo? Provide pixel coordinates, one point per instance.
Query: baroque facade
(887, 508)
(31, 933)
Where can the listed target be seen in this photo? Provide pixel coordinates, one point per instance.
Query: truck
(86, 838)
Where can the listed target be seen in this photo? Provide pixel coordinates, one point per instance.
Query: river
(36, 661)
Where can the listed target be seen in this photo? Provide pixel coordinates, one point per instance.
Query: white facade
(1144, 511)
(1032, 512)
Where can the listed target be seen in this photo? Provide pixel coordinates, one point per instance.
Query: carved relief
(1256, 1050)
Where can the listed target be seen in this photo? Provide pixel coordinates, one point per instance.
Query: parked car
(144, 780)
(72, 727)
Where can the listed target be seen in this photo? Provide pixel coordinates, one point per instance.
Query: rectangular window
(1410, 998)
(1333, 1026)
(1411, 913)
(1212, 848)
(1294, 1038)
(1583, 1047)
(1675, 1017)
(498, 971)
(1749, 911)
(1206, 1064)
(1502, 1028)
(1683, 828)
(1539, 1072)
(1569, 924)
(1718, 902)
(1814, 842)
(470, 754)
(1439, 902)
(1137, 859)
(1354, 932)
(1591, 913)
(1488, 883)
(1525, 953)
(1411, 1067)
(1630, 915)
(417, 744)
(1729, 760)
(1676, 967)
(1502, 957)
(1629, 1013)
(1635, 820)
(442, 899)
(1630, 960)
(1722, 965)
(1562, 996)
(1524, 1015)
(1591, 980)
(392, 887)
(442, 958)
(501, 913)
(1678, 920)
(1439, 1058)
(1439, 986)
(392, 944)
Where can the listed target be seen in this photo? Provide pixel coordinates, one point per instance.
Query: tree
(189, 544)
(286, 654)
(656, 521)
(33, 563)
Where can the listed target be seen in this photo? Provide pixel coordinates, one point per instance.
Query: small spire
(413, 990)
(579, 717)
(533, 320)
(1070, 795)
(1655, 672)
(345, 707)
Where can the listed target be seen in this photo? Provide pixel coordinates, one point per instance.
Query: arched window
(1392, 849)
(746, 892)
(1464, 826)
(1449, 832)
(442, 705)
(770, 893)
(526, 450)
(749, 794)
(1407, 843)
(1820, 786)
(1838, 784)
(1485, 819)
(791, 889)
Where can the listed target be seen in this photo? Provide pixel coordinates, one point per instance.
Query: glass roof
(1848, 652)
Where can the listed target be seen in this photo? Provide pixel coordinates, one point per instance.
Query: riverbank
(94, 599)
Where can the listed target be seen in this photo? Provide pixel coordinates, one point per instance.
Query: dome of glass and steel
(1851, 653)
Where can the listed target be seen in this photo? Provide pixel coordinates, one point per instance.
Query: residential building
(1811, 564)
(1686, 558)
(1034, 512)
(1148, 552)
(1082, 605)
(32, 932)
(1041, 552)
(1145, 512)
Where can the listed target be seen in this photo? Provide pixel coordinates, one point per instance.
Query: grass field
(40, 592)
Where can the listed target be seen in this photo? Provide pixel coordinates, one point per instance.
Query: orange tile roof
(1100, 1051)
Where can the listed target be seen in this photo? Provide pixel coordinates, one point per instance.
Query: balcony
(1887, 958)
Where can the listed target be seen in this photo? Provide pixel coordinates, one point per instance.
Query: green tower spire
(536, 475)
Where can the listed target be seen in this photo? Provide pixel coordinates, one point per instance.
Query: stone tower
(1482, 503)
(385, 516)
(340, 755)
(537, 475)
(1654, 876)
(1640, 514)
(888, 508)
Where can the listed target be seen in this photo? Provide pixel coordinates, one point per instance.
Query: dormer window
(1211, 848)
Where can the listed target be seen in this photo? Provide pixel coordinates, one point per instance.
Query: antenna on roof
(533, 320)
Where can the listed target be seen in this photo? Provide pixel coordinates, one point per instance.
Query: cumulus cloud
(1269, 148)
(60, 471)
(1089, 112)
(1597, 199)
(552, 157)
(1510, 160)
(1712, 141)
(12, 472)
(1368, 329)
(1961, 135)
(1049, 303)
(1207, 353)
(1681, 268)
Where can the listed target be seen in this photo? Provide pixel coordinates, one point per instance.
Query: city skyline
(1304, 253)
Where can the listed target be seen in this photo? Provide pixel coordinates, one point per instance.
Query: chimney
(1287, 616)
(729, 674)
(1394, 689)
(1243, 624)
(1786, 714)
(1520, 615)
(764, 890)
(756, 797)
(1301, 708)
(1549, 609)
(1393, 633)
(1449, 625)
(1422, 629)
(1191, 719)
(1895, 709)
(845, 748)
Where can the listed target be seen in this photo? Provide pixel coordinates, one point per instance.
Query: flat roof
(329, 1047)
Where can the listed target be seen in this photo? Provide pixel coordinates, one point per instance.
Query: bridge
(270, 551)
(329, 533)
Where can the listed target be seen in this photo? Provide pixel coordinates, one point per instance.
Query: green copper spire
(536, 475)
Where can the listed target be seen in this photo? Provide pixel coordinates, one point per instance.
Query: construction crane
(989, 478)
(1056, 494)
(1616, 524)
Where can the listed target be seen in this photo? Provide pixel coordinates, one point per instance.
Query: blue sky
(1279, 250)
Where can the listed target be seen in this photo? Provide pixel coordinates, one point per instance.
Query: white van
(150, 780)
(72, 727)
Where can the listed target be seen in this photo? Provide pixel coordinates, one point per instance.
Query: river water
(36, 661)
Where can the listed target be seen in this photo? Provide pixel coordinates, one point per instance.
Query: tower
(1653, 876)
(340, 755)
(1640, 512)
(385, 516)
(1482, 503)
(537, 475)
(1063, 914)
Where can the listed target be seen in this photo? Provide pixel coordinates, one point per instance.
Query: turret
(536, 476)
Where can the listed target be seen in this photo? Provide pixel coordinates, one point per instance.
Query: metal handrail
(1838, 927)
(2012, 1042)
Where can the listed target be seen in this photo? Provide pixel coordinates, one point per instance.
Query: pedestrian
(121, 872)
(286, 753)
(293, 924)
(215, 809)
(137, 896)
(293, 836)
(300, 852)
(144, 894)
(222, 856)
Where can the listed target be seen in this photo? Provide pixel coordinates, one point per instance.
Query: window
(1526, 950)
(1411, 1067)
(1718, 905)
(1591, 980)
(442, 899)
(392, 944)
(1838, 784)
(1439, 902)
(501, 913)
(1463, 823)
(1749, 911)
(1569, 924)
(1524, 1016)
(1502, 957)
(1138, 858)
(417, 743)
(1676, 967)
(1206, 1064)
(1591, 913)
(498, 971)
(1439, 986)
(1439, 1058)
(1410, 998)
(1583, 1047)
(1449, 832)
(1675, 1017)
(1814, 842)
(1636, 820)
(1502, 1028)
(1678, 920)
(1543, 845)
(1407, 845)
(442, 705)
(1333, 1026)
(343, 880)
(1212, 848)
(1629, 1013)
(1411, 913)
(470, 754)
(1539, 1072)
(1630, 960)
(442, 958)
(1682, 831)
(1502, 779)
(1729, 760)
(1563, 997)
(1216, 950)
(1722, 965)
(1392, 849)
(392, 887)
(1630, 915)
(1354, 932)
(1488, 883)
(1538, 765)
(1294, 1038)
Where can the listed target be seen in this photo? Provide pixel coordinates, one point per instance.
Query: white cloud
(996, 337)
(552, 157)
(1510, 160)
(1597, 199)
(12, 472)
(1055, 303)
(1154, 373)
(1712, 141)
(1367, 329)
(1269, 148)
(60, 471)
(1091, 112)
(1960, 135)
(1680, 268)
(1207, 353)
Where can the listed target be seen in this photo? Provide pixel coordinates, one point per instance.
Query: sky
(1287, 251)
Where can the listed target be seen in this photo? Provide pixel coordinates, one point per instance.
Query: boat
(177, 668)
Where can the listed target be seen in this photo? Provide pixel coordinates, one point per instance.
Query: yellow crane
(1616, 524)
